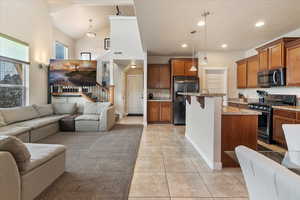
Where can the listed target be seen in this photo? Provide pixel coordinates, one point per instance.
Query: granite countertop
(228, 110)
(238, 102)
(201, 94)
(242, 101)
(291, 108)
(163, 100)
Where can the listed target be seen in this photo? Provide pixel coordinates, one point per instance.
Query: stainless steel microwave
(272, 78)
(277, 77)
(263, 79)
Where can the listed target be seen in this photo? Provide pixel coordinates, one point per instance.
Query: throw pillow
(18, 114)
(18, 150)
(2, 121)
(64, 108)
(95, 108)
(44, 110)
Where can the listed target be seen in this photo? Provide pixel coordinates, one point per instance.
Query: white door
(135, 90)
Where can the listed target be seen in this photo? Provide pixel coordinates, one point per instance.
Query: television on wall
(72, 72)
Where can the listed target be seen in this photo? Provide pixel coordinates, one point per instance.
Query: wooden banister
(111, 94)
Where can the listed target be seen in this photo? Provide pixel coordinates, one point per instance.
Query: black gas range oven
(265, 121)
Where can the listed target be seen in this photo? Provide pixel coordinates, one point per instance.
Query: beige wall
(65, 40)
(93, 45)
(29, 21)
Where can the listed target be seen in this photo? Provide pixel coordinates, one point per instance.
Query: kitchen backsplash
(160, 93)
(251, 93)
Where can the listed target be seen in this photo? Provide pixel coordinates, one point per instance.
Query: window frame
(66, 50)
(25, 66)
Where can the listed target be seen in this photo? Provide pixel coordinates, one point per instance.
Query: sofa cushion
(41, 153)
(64, 108)
(12, 130)
(40, 122)
(95, 108)
(2, 120)
(44, 110)
(18, 150)
(87, 118)
(17, 114)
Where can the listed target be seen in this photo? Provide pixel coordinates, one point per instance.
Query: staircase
(93, 92)
(96, 93)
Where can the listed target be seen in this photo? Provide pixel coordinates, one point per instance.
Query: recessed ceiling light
(133, 66)
(201, 23)
(224, 46)
(184, 45)
(259, 24)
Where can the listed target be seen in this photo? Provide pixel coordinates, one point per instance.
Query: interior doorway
(134, 94)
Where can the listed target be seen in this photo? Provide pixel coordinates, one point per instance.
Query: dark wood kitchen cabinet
(276, 56)
(242, 74)
(165, 112)
(293, 63)
(159, 112)
(273, 54)
(159, 76)
(177, 67)
(252, 70)
(153, 111)
(281, 117)
(263, 60)
(182, 66)
(165, 77)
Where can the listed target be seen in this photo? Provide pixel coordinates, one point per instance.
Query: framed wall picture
(85, 56)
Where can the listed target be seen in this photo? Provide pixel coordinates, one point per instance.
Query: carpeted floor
(99, 165)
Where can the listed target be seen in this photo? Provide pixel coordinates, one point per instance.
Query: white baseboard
(211, 164)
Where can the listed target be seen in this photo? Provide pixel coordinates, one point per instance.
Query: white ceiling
(166, 24)
(72, 16)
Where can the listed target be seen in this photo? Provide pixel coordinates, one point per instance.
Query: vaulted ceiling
(166, 24)
(72, 16)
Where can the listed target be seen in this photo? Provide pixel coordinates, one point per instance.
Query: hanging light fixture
(91, 33)
(204, 61)
(193, 68)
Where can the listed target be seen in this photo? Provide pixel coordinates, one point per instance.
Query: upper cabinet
(273, 55)
(293, 63)
(242, 73)
(182, 66)
(159, 76)
(263, 60)
(252, 70)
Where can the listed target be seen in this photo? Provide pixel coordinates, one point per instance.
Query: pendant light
(204, 61)
(193, 68)
(91, 33)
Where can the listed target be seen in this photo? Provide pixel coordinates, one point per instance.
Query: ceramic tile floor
(169, 168)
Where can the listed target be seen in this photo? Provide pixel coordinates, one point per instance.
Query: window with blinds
(14, 58)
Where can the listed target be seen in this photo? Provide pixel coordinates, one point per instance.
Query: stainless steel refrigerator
(182, 84)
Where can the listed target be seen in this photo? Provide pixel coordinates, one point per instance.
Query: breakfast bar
(213, 128)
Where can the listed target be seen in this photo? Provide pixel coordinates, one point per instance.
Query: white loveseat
(46, 162)
(96, 117)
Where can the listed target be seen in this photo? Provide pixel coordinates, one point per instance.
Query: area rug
(98, 165)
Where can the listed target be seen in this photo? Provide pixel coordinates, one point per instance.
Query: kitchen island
(213, 129)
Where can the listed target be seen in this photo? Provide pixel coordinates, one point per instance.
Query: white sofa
(46, 164)
(35, 122)
(96, 117)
